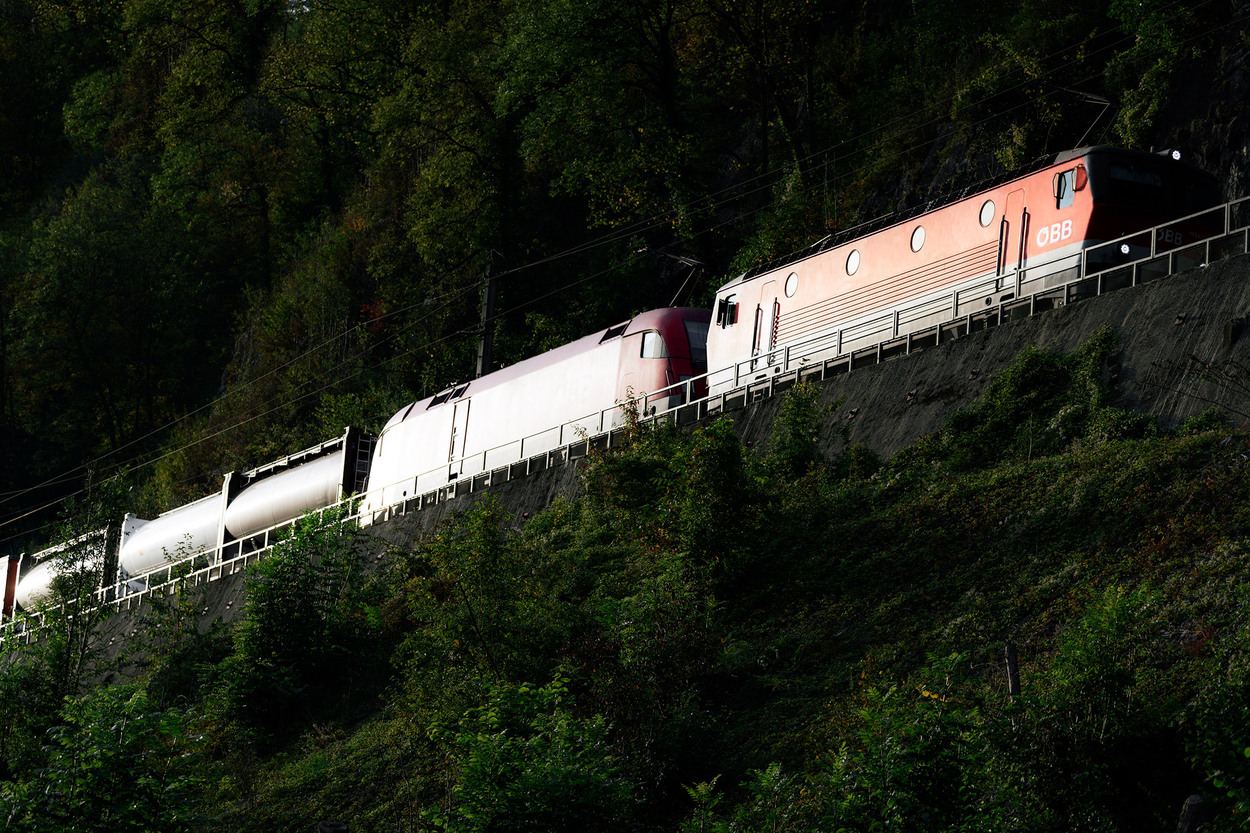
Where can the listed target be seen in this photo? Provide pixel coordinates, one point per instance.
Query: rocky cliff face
(1209, 113)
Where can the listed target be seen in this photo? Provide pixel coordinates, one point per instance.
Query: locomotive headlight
(1176, 154)
(1123, 248)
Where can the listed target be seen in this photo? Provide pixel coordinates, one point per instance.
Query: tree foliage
(784, 639)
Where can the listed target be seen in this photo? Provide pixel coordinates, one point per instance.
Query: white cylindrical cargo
(284, 497)
(185, 531)
(86, 552)
(35, 586)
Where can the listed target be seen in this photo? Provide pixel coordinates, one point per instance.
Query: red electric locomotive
(1006, 242)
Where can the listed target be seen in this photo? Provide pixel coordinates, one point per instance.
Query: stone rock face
(1208, 113)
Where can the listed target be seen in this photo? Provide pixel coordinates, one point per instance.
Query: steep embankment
(809, 632)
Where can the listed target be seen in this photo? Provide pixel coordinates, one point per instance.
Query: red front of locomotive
(660, 350)
(1133, 191)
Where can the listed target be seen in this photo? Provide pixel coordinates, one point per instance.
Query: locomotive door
(767, 320)
(459, 430)
(1012, 237)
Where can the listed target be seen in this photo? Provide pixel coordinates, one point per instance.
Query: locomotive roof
(868, 227)
(649, 320)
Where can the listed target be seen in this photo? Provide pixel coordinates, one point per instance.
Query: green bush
(524, 762)
(308, 624)
(1093, 741)
(1220, 744)
(115, 763)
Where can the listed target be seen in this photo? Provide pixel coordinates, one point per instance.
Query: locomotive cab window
(727, 311)
(1067, 183)
(653, 346)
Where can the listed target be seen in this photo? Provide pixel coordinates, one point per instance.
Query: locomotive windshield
(1153, 185)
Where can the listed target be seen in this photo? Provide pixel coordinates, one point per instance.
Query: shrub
(306, 625)
(524, 762)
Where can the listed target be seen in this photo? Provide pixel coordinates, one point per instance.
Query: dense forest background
(228, 229)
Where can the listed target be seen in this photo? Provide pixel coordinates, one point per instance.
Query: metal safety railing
(1178, 245)
(185, 570)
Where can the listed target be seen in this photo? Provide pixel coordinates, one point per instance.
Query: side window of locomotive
(727, 311)
(696, 335)
(653, 346)
(987, 213)
(917, 239)
(1065, 188)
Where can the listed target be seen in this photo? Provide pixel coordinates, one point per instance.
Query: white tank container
(185, 531)
(35, 586)
(284, 497)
